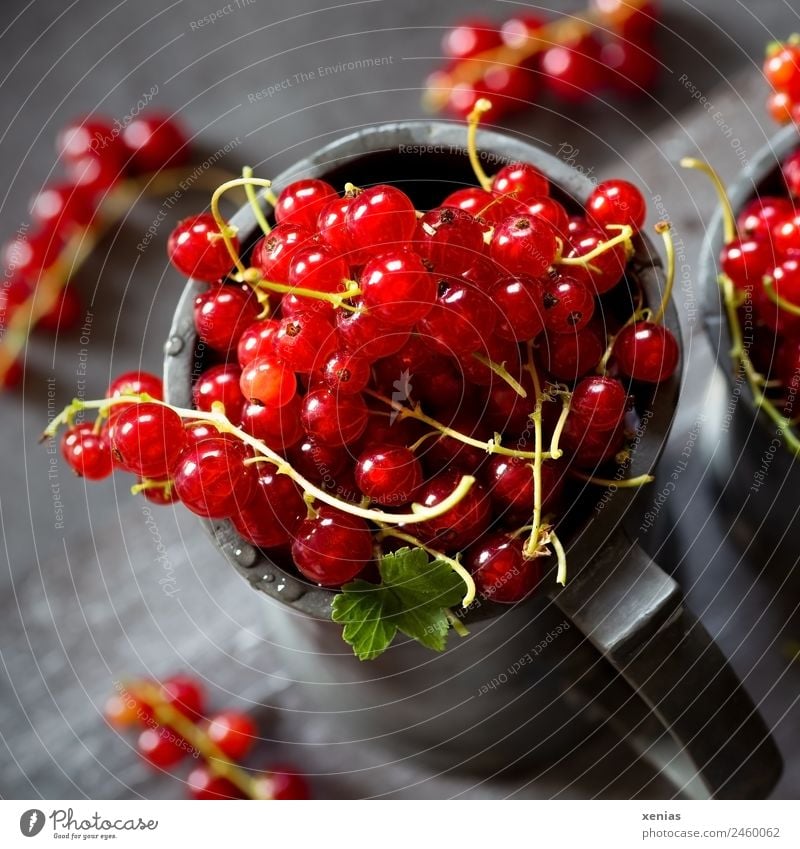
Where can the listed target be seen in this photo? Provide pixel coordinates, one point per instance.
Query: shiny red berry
(568, 305)
(147, 439)
(87, 453)
(646, 352)
(397, 288)
(233, 732)
(301, 202)
(521, 180)
(381, 215)
(161, 747)
(334, 419)
(273, 253)
(222, 314)
(388, 475)
(333, 547)
(524, 244)
(617, 202)
(197, 250)
(501, 571)
(271, 515)
(463, 523)
(305, 342)
(256, 340)
(203, 785)
(219, 384)
(599, 403)
(153, 142)
(267, 380)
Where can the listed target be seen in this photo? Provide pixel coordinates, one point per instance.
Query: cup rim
(256, 567)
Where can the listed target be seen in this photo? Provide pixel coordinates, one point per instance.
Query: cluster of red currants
(782, 70)
(97, 154)
(375, 309)
(172, 716)
(761, 264)
(611, 46)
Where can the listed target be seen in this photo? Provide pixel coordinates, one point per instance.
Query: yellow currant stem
(225, 230)
(625, 234)
(473, 119)
(728, 218)
(149, 483)
(258, 212)
(253, 278)
(423, 439)
(664, 229)
(465, 576)
(500, 370)
(561, 575)
(195, 735)
(490, 447)
(623, 483)
(772, 294)
(218, 418)
(536, 526)
(457, 625)
(555, 451)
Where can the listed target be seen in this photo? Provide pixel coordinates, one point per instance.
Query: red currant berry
(501, 571)
(551, 211)
(746, 261)
(599, 403)
(267, 380)
(317, 461)
(509, 481)
(205, 786)
(346, 373)
(570, 355)
(470, 37)
(315, 266)
(524, 244)
(219, 384)
(462, 319)
(279, 427)
(397, 288)
(573, 72)
(29, 255)
(66, 313)
(233, 733)
(88, 138)
(786, 236)
(791, 173)
(617, 202)
(122, 711)
(463, 523)
(758, 217)
(607, 267)
(185, 694)
(521, 180)
(222, 314)
(161, 747)
(304, 342)
(88, 454)
(646, 352)
(271, 516)
(63, 207)
(363, 334)
(301, 202)
(257, 339)
(333, 231)
(388, 475)
(283, 782)
(780, 107)
(136, 383)
(334, 420)
(521, 311)
(786, 281)
(197, 250)
(634, 21)
(517, 31)
(782, 69)
(381, 215)
(212, 480)
(449, 238)
(332, 548)
(155, 141)
(273, 253)
(147, 439)
(568, 305)
(629, 68)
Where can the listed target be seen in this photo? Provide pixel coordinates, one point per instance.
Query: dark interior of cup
(761, 177)
(429, 160)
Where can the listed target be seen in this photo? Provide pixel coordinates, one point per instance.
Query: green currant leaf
(366, 611)
(413, 597)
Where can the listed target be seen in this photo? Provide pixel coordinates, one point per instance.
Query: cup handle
(640, 623)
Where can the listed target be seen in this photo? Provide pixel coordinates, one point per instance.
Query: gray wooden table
(96, 587)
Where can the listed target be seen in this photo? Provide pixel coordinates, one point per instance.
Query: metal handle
(635, 615)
